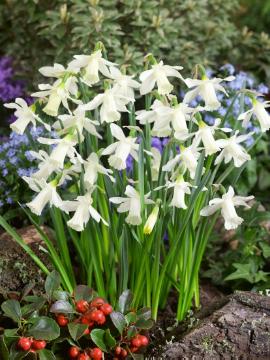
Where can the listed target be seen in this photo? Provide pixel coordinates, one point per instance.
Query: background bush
(39, 32)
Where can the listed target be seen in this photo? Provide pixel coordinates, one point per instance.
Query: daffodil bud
(151, 221)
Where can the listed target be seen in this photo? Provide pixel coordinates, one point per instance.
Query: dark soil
(17, 269)
(238, 328)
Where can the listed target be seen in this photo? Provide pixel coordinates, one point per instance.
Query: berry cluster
(95, 353)
(30, 344)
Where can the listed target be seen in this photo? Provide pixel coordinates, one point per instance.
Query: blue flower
(229, 68)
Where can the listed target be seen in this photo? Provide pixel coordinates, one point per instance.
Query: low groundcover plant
(81, 325)
(144, 229)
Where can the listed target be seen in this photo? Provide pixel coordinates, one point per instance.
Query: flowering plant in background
(115, 217)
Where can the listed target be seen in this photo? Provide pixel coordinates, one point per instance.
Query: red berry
(124, 353)
(106, 309)
(98, 317)
(97, 302)
(96, 354)
(136, 342)
(133, 349)
(144, 340)
(86, 331)
(82, 306)
(62, 320)
(38, 344)
(118, 350)
(24, 343)
(83, 357)
(73, 352)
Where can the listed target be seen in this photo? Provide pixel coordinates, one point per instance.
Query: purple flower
(229, 68)
(9, 87)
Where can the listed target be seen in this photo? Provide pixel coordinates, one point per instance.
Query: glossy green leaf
(83, 292)
(46, 355)
(125, 301)
(12, 309)
(109, 339)
(44, 328)
(119, 321)
(4, 353)
(62, 306)
(97, 336)
(76, 330)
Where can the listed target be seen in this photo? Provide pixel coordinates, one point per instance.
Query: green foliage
(36, 317)
(186, 32)
(241, 261)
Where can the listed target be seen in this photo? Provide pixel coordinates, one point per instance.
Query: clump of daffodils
(102, 124)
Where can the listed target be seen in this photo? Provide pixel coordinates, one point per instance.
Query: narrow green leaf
(144, 324)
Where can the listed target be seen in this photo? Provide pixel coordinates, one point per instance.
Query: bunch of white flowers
(83, 171)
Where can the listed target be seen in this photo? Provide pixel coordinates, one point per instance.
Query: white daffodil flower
(92, 168)
(205, 133)
(124, 85)
(259, 111)
(60, 92)
(206, 88)
(56, 71)
(155, 163)
(25, 115)
(45, 167)
(92, 65)
(227, 205)
(79, 121)
(180, 189)
(166, 119)
(188, 157)
(232, 150)
(83, 209)
(159, 74)
(111, 104)
(131, 204)
(65, 147)
(151, 221)
(121, 148)
(46, 194)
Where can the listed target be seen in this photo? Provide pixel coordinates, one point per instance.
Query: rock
(238, 330)
(17, 269)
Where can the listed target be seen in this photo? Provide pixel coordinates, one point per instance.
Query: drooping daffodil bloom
(65, 147)
(158, 75)
(206, 88)
(123, 85)
(259, 111)
(61, 91)
(47, 193)
(46, 166)
(205, 134)
(167, 119)
(111, 104)
(56, 71)
(131, 204)
(180, 189)
(83, 209)
(227, 204)
(232, 150)
(120, 149)
(91, 65)
(79, 121)
(188, 157)
(92, 168)
(25, 115)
